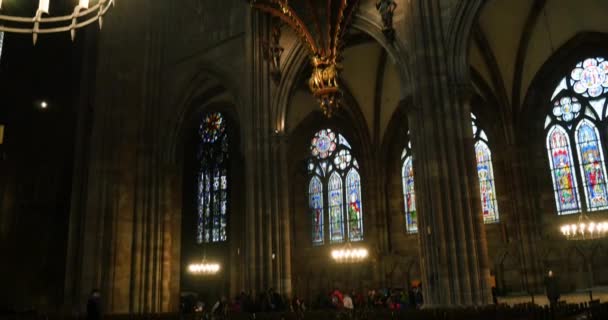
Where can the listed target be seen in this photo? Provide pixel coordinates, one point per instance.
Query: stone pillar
(281, 183)
(522, 219)
(454, 261)
(120, 225)
(267, 219)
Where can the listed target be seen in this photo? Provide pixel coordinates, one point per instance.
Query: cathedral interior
(209, 148)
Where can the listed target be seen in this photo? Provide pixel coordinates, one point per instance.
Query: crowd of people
(272, 301)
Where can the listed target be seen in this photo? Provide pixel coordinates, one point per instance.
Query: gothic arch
(548, 76)
(296, 61)
(205, 90)
(507, 272)
(460, 26)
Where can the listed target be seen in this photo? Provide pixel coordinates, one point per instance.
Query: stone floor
(578, 296)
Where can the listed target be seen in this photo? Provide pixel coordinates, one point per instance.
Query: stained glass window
(213, 156)
(1, 43)
(335, 181)
(353, 193)
(315, 195)
(485, 174)
(564, 180)
(486, 182)
(593, 170)
(336, 214)
(409, 194)
(590, 78)
(578, 105)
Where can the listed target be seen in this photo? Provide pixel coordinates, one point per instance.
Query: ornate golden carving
(323, 40)
(323, 83)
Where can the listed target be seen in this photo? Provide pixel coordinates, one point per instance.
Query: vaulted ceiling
(369, 76)
(513, 38)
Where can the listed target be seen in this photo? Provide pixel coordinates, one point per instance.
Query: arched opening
(212, 206)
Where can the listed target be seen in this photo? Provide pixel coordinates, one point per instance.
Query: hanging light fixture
(204, 268)
(321, 25)
(348, 254)
(585, 229)
(83, 15)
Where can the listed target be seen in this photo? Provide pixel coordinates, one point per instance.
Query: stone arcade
(195, 137)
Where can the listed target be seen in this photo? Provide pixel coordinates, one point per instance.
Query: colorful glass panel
(315, 198)
(200, 209)
(323, 144)
(485, 174)
(213, 206)
(487, 190)
(590, 77)
(332, 156)
(592, 165)
(343, 159)
(564, 181)
(566, 108)
(336, 216)
(355, 216)
(213, 127)
(409, 195)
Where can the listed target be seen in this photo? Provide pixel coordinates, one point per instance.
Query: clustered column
(453, 248)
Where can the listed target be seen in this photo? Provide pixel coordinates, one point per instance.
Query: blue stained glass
(409, 194)
(213, 127)
(224, 184)
(315, 194)
(213, 206)
(355, 216)
(592, 165)
(331, 156)
(564, 181)
(200, 210)
(336, 216)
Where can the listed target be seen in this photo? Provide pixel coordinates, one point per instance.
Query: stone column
(120, 224)
(454, 261)
(267, 219)
(281, 183)
(522, 220)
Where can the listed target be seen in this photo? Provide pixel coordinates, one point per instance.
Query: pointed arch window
(592, 166)
(409, 194)
(315, 196)
(333, 168)
(213, 180)
(485, 173)
(578, 107)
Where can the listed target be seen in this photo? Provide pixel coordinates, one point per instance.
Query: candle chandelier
(204, 268)
(83, 14)
(585, 229)
(348, 254)
(322, 26)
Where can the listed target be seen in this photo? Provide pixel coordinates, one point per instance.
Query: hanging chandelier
(83, 14)
(322, 26)
(348, 254)
(204, 268)
(585, 229)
